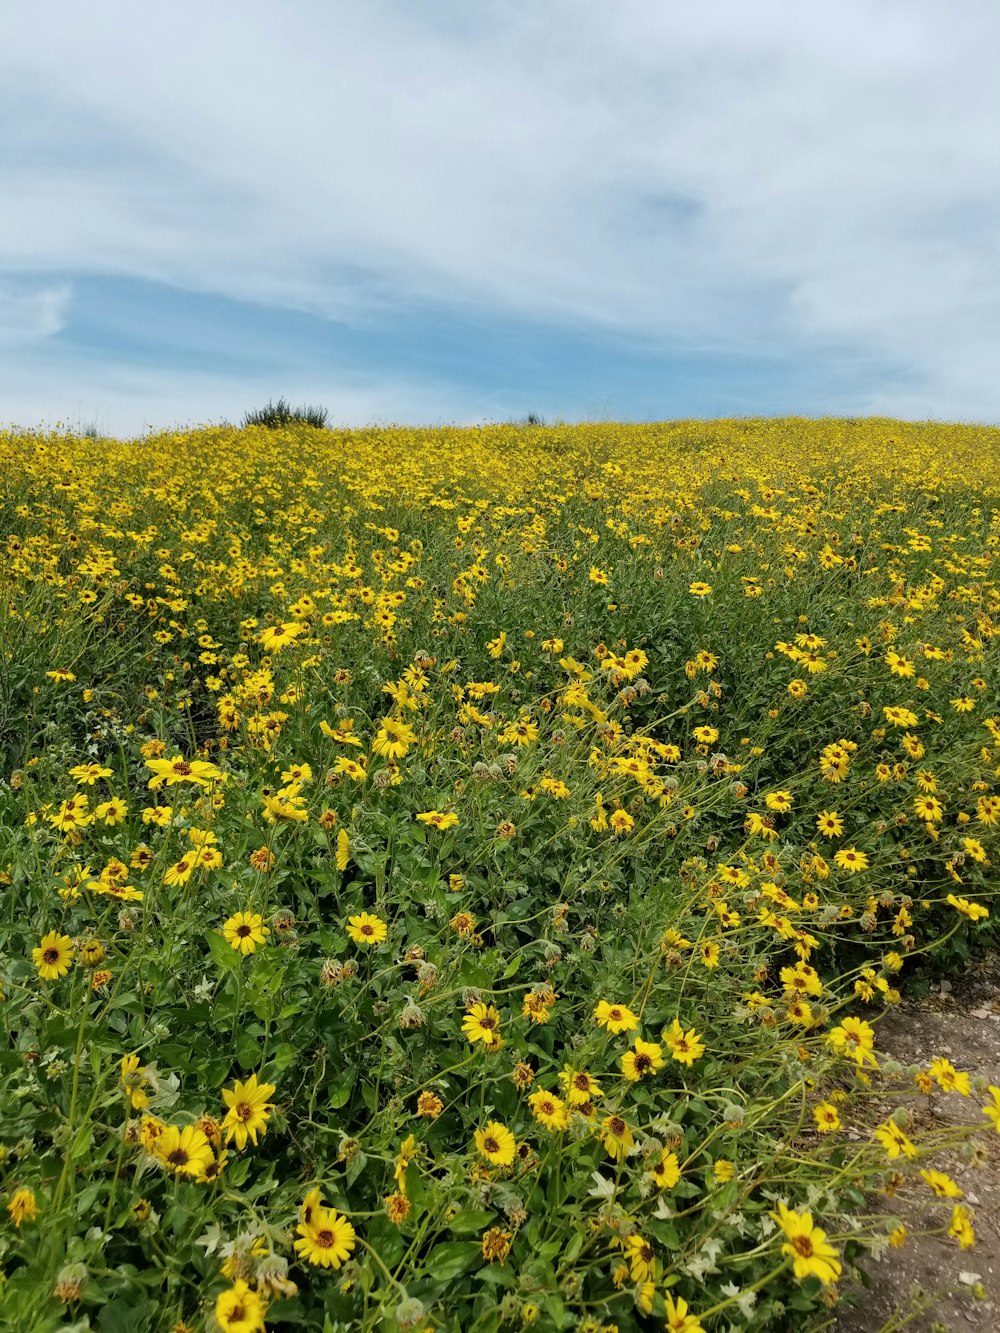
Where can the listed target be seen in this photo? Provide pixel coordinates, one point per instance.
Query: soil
(930, 1284)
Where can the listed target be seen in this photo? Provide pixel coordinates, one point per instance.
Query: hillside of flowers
(450, 880)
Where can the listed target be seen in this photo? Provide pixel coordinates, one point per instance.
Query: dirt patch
(930, 1284)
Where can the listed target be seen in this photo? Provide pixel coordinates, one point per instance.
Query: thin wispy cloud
(749, 207)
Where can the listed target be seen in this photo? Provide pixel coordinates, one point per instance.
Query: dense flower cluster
(452, 878)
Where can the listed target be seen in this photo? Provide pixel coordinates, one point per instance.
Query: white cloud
(30, 312)
(729, 176)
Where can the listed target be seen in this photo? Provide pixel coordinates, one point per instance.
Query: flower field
(451, 878)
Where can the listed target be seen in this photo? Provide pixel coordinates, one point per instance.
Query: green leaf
(469, 1221)
(339, 1091)
(224, 954)
(513, 967)
(248, 1051)
(284, 1055)
(450, 1258)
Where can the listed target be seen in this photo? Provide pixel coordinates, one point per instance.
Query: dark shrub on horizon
(282, 414)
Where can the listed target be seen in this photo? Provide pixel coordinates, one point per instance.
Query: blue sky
(449, 211)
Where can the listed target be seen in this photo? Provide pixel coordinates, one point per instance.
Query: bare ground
(930, 1284)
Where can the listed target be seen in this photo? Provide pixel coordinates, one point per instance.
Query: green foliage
(277, 415)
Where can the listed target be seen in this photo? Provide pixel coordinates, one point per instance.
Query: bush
(281, 413)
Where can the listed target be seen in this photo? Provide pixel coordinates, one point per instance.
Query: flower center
(50, 955)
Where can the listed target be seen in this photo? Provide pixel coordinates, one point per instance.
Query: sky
(430, 211)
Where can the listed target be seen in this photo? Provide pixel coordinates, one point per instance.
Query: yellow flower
(393, 739)
(482, 1023)
(580, 1087)
(439, 820)
(182, 871)
(244, 931)
(617, 1137)
(169, 772)
(112, 812)
(781, 801)
(133, 1082)
(667, 1171)
(367, 929)
(992, 1111)
(961, 1227)
(829, 823)
(827, 1118)
(239, 1310)
(549, 1110)
(53, 956)
(948, 1078)
(646, 1057)
(273, 639)
(856, 1039)
(616, 1018)
(974, 911)
(685, 1047)
(894, 1141)
(807, 1246)
(327, 1239)
(708, 954)
(88, 774)
(248, 1110)
(407, 1152)
(622, 821)
(185, 1151)
(23, 1207)
(679, 1317)
(942, 1184)
(850, 859)
(496, 1143)
(641, 1256)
